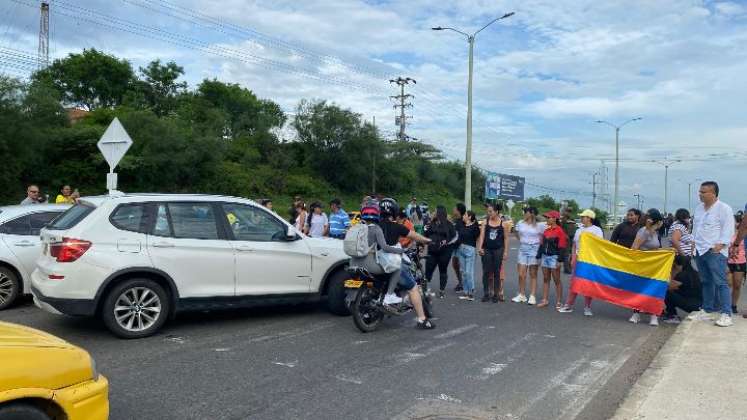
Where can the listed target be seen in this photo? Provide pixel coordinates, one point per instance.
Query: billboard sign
(504, 187)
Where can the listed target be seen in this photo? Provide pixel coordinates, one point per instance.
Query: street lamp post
(468, 154)
(666, 163)
(638, 197)
(617, 159)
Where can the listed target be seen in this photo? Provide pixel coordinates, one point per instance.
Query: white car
(20, 246)
(136, 260)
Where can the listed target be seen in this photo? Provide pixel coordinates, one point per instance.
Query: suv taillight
(69, 249)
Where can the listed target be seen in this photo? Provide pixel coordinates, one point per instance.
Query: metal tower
(43, 52)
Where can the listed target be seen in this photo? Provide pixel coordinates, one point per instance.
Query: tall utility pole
(373, 159)
(638, 197)
(617, 160)
(594, 190)
(401, 120)
(468, 157)
(43, 50)
(666, 163)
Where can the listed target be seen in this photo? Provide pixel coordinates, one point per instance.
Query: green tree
(89, 80)
(159, 87)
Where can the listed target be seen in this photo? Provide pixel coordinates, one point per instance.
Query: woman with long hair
(589, 224)
(492, 246)
(679, 233)
(553, 243)
(647, 239)
(529, 234)
(443, 235)
(469, 232)
(317, 223)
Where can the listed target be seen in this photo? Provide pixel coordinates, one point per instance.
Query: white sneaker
(565, 309)
(636, 318)
(392, 299)
(700, 315)
(587, 312)
(654, 322)
(532, 300)
(519, 299)
(724, 321)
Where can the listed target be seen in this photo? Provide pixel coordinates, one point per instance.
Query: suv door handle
(244, 248)
(163, 245)
(24, 244)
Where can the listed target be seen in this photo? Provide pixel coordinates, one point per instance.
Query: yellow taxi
(355, 217)
(43, 377)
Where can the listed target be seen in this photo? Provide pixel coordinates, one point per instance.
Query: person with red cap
(553, 242)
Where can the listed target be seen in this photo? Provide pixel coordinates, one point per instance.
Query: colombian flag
(622, 276)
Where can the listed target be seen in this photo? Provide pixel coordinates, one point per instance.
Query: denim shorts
(550, 261)
(406, 279)
(528, 254)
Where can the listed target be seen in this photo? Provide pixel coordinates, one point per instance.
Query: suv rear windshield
(71, 217)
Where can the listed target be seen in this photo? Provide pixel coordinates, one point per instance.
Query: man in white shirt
(713, 228)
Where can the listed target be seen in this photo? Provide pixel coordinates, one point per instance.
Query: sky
(542, 78)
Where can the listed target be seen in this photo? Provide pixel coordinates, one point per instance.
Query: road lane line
(456, 331)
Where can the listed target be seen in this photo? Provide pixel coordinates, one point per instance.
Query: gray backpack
(355, 243)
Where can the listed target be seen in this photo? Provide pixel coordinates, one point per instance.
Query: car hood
(13, 335)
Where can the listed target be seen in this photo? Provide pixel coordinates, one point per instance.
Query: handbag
(389, 262)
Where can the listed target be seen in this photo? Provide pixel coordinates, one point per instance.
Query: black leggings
(441, 260)
(491, 271)
(675, 300)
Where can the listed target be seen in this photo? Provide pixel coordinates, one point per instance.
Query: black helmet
(388, 207)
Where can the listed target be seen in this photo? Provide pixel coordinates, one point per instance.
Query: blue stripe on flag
(621, 280)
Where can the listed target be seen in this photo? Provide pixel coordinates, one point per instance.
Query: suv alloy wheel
(136, 308)
(10, 287)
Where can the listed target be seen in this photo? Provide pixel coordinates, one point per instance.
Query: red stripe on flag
(643, 303)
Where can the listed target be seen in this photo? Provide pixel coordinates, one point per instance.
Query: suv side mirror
(291, 234)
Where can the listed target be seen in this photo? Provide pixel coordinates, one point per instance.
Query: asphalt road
(483, 361)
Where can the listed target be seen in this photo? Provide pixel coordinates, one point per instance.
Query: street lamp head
(508, 15)
(438, 28)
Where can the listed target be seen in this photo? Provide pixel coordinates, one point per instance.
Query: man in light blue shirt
(713, 228)
(339, 221)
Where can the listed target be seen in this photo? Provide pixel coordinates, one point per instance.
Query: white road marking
(346, 378)
(456, 331)
(408, 357)
(493, 369)
(444, 397)
(292, 333)
(178, 340)
(286, 364)
(222, 349)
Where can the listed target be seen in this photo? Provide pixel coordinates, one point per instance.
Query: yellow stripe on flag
(656, 265)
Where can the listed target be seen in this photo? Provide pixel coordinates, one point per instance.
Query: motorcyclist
(393, 232)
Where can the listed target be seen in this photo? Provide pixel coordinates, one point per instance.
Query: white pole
(468, 158)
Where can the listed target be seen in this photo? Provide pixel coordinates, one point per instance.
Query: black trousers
(491, 271)
(441, 260)
(675, 300)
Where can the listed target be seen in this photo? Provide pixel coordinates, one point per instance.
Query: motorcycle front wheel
(366, 314)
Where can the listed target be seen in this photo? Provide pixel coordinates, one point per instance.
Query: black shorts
(737, 268)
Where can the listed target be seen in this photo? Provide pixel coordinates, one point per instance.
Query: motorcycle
(365, 293)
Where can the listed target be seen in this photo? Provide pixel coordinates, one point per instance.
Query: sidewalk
(700, 373)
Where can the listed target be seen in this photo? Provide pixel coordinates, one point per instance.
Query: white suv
(136, 260)
(20, 246)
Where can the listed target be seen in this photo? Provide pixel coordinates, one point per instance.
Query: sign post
(113, 145)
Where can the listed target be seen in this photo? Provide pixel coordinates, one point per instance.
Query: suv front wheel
(135, 308)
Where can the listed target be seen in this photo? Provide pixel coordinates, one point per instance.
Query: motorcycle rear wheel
(366, 314)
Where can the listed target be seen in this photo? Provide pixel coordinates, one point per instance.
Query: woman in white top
(591, 225)
(317, 224)
(529, 233)
(682, 240)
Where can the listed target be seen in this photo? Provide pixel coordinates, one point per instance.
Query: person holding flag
(589, 225)
(647, 239)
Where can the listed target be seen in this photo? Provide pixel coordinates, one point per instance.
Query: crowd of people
(707, 275)
(706, 278)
